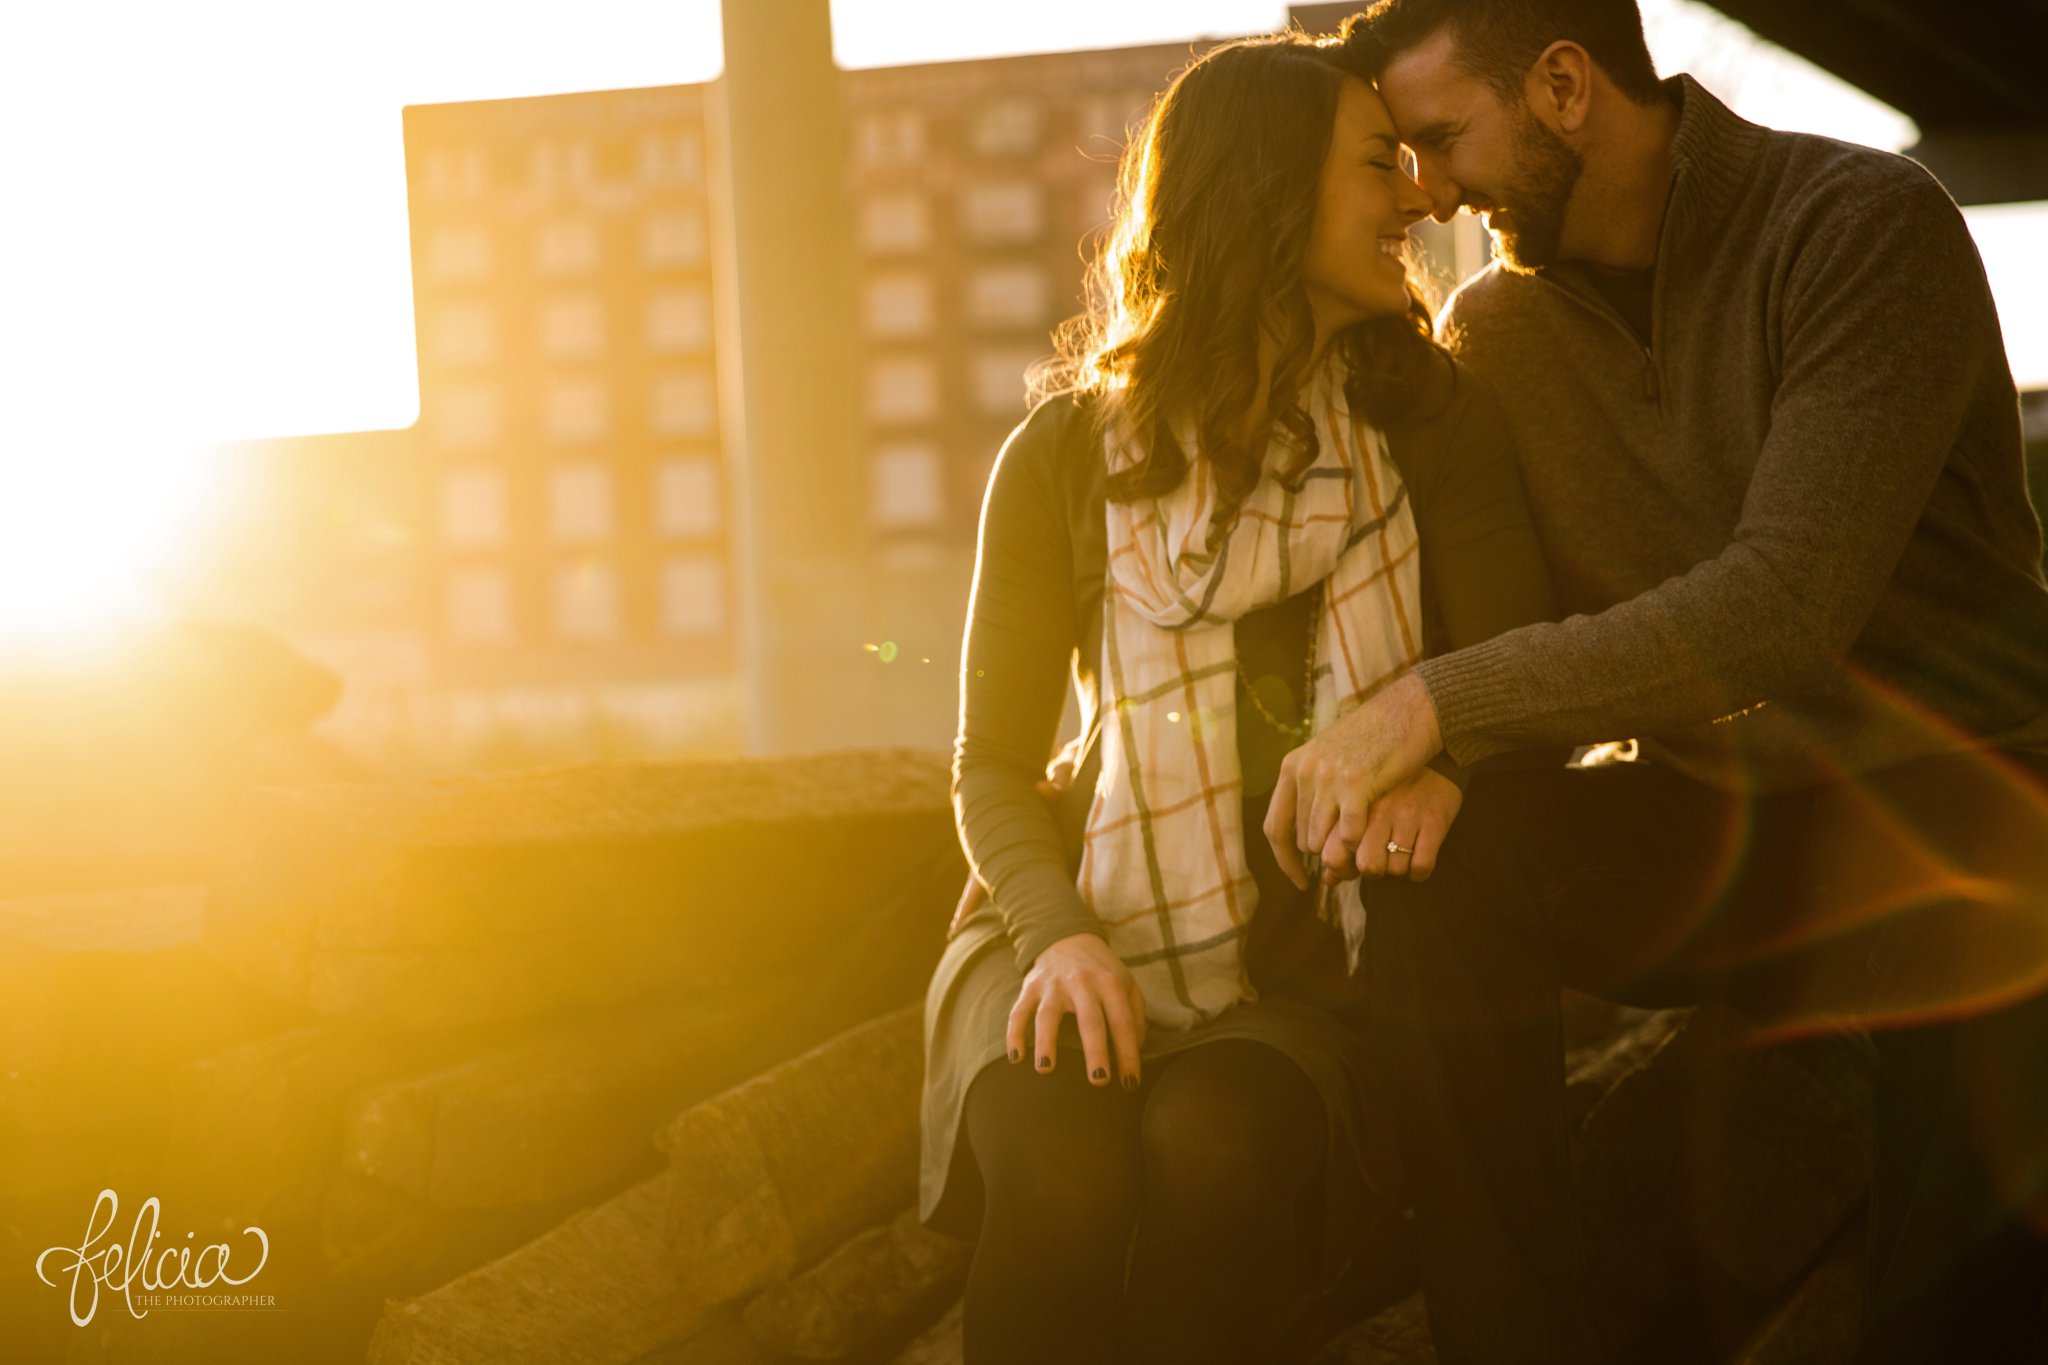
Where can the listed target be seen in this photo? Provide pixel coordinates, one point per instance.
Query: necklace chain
(1308, 684)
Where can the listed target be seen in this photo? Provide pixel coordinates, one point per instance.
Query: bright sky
(206, 236)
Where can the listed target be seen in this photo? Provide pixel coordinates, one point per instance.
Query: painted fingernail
(1130, 1082)
(1100, 1074)
(1016, 1055)
(1045, 1063)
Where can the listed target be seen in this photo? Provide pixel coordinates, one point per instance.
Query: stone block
(255, 1131)
(371, 1236)
(104, 997)
(564, 1112)
(598, 1289)
(761, 1180)
(773, 1175)
(115, 986)
(938, 1344)
(724, 1340)
(522, 894)
(1394, 1336)
(868, 1297)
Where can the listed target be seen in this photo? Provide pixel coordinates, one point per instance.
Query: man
(1773, 450)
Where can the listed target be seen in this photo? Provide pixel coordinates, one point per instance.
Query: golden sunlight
(90, 532)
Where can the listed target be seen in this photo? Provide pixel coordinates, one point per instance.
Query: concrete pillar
(790, 381)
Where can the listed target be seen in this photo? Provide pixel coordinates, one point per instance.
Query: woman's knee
(1231, 1130)
(1058, 1159)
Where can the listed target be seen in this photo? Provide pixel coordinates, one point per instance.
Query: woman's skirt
(967, 1009)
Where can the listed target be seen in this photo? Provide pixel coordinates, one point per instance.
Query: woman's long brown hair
(1215, 199)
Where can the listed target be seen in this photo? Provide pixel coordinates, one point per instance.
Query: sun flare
(91, 536)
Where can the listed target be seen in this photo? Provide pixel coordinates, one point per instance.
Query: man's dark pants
(1913, 902)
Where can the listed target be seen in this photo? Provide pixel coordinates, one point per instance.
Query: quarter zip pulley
(1600, 308)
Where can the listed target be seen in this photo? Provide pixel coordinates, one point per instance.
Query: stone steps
(516, 1069)
(412, 1028)
(761, 1182)
(104, 997)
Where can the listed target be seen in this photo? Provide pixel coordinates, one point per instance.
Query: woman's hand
(1415, 815)
(1328, 786)
(1079, 975)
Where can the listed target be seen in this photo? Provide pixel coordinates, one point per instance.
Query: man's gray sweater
(1793, 532)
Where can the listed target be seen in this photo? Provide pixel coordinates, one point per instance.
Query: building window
(473, 507)
(898, 305)
(894, 223)
(452, 172)
(679, 320)
(893, 138)
(1006, 127)
(582, 163)
(1107, 120)
(693, 596)
(1008, 296)
(465, 334)
(572, 328)
(999, 379)
(567, 246)
(1002, 211)
(671, 158)
(903, 390)
(674, 239)
(908, 488)
(575, 410)
(479, 607)
(685, 404)
(686, 496)
(460, 253)
(468, 417)
(546, 166)
(586, 602)
(580, 502)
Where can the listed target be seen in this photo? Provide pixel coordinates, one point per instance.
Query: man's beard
(1547, 170)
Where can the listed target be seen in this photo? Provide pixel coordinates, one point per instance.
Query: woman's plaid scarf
(1163, 864)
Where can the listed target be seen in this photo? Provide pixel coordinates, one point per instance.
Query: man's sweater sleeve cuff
(1477, 699)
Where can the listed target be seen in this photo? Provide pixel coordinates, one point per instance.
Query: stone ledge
(482, 899)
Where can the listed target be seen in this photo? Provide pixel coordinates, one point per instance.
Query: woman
(1143, 1099)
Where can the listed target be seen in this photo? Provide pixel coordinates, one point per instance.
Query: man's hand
(1079, 975)
(1328, 786)
(1059, 775)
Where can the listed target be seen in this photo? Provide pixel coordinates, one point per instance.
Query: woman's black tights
(1208, 1162)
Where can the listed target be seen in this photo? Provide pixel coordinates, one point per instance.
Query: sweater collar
(1712, 157)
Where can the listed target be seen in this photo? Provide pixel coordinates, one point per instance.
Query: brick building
(570, 507)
